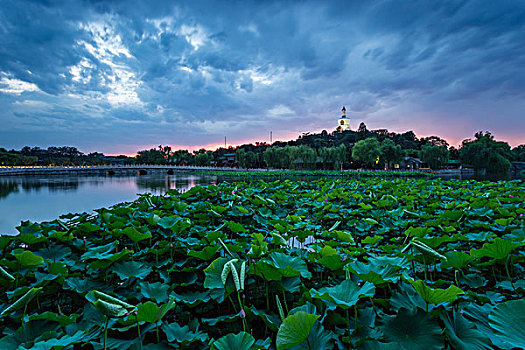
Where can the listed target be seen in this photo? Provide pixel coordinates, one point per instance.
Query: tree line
(352, 150)
(65, 155)
(362, 148)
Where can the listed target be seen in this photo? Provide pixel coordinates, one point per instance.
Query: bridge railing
(45, 168)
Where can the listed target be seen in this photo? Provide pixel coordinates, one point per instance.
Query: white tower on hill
(344, 122)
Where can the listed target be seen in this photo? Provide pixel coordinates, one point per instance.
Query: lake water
(45, 198)
(38, 198)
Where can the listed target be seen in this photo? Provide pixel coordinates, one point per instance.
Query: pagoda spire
(344, 121)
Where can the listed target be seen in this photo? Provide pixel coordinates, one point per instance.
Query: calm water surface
(45, 198)
(38, 198)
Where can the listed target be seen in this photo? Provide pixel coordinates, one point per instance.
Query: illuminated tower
(344, 122)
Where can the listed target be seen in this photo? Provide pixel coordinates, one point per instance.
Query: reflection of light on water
(44, 198)
(295, 243)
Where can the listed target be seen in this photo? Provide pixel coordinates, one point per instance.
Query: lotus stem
(138, 330)
(508, 273)
(284, 300)
(267, 297)
(494, 274)
(23, 320)
(347, 314)
(106, 333)
(425, 263)
(242, 308)
(157, 331)
(355, 316)
(233, 304)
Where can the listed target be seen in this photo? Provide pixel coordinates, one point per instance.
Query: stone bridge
(140, 169)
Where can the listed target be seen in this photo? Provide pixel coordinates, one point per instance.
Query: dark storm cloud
(191, 72)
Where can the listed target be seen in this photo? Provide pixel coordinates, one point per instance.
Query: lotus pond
(326, 264)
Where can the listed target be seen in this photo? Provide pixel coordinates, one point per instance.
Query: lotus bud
(242, 313)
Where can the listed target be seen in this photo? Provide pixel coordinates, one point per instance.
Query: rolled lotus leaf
(110, 309)
(243, 274)
(108, 298)
(22, 302)
(225, 272)
(235, 276)
(5, 274)
(423, 248)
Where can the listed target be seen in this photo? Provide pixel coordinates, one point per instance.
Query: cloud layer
(116, 76)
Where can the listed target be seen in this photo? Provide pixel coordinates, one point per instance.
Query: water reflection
(39, 198)
(7, 188)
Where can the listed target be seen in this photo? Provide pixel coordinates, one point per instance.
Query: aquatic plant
(364, 263)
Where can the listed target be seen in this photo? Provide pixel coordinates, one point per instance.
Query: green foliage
(486, 153)
(295, 329)
(390, 152)
(507, 320)
(437, 295)
(463, 334)
(333, 157)
(344, 295)
(434, 156)
(412, 331)
(151, 156)
(321, 264)
(518, 153)
(231, 341)
(367, 151)
(290, 157)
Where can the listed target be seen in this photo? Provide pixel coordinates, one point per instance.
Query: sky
(120, 76)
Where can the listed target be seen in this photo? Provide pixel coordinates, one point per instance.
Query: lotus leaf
(437, 295)
(136, 236)
(156, 291)
(463, 335)
(150, 312)
(28, 258)
(183, 335)
(131, 269)
(497, 249)
(295, 329)
(232, 341)
(346, 294)
(507, 320)
(412, 331)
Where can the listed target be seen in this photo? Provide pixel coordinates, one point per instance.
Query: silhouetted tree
(486, 153)
(434, 156)
(367, 151)
(390, 152)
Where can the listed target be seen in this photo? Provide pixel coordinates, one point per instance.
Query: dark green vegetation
(50, 156)
(350, 150)
(486, 153)
(328, 151)
(368, 264)
(294, 174)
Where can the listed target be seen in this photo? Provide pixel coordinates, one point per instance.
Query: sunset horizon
(117, 76)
